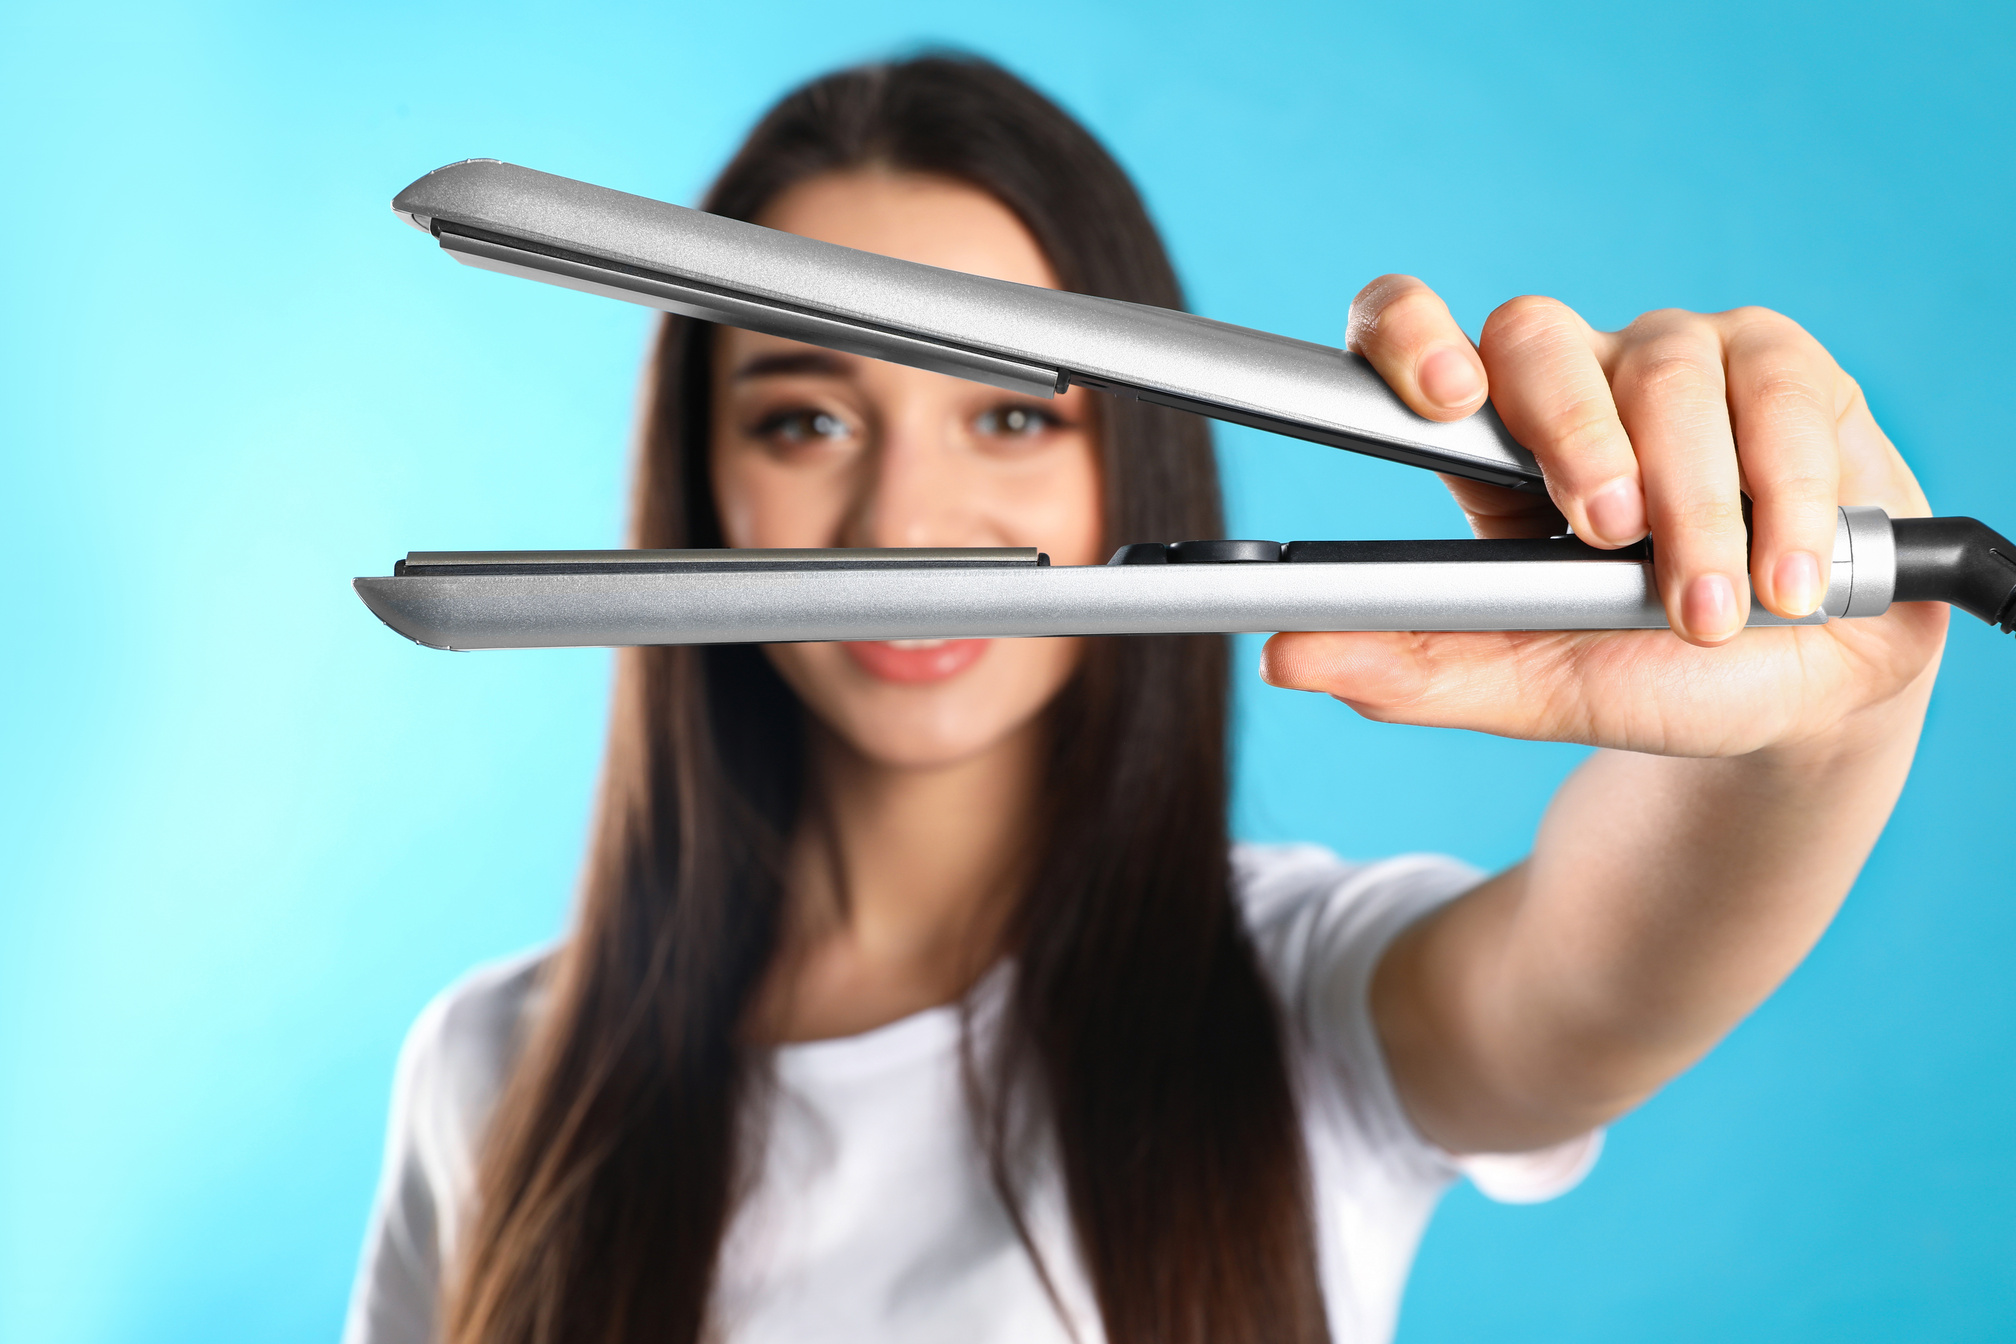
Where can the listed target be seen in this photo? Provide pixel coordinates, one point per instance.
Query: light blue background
(246, 832)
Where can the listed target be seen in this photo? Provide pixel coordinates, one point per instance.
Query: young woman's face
(814, 448)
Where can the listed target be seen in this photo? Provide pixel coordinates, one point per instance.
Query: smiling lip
(915, 660)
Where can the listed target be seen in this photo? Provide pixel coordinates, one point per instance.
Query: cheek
(764, 503)
(1088, 524)
(737, 512)
(1065, 516)
(734, 500)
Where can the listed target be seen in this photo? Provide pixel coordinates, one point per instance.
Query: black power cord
(1958, 561)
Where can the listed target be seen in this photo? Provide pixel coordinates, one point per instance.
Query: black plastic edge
(1960, 561)
(404, 569)
(1457, 550)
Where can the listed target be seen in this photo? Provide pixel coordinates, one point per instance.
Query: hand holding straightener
(1657, 430)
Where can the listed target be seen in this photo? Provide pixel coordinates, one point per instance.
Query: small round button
(1223, 552)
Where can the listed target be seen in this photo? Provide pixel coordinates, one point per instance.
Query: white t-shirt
(874, 1216)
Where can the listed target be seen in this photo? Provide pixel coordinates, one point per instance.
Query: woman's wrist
(1854, 737)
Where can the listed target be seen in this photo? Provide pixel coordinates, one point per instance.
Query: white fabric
(874, 1216)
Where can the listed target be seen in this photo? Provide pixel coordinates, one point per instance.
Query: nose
(914, 493)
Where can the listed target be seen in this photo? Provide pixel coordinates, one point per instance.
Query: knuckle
(1751, 314)
(1663, 322)
(1714, 513)
(1771, 339)
(1783, 393)
(1754, 320)
(1668, 365)
(1797, 490)
(1795, 477)
(1412, 309)
(1584, 430)
(1775, 344)
(1528, 318)
(1382, 289)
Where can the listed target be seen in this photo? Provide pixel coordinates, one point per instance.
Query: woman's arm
(1685, 869)
(1664, 899)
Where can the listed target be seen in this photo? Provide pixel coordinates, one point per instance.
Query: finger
(1872, 470)
(1405, 330)
(1550, 390)
(1672, 397)
(1496, 511)
(1782, 404)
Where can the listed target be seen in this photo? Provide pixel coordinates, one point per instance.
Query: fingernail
(1448, 377)
(1797, 582)
(1616, 513)
(1709, 609)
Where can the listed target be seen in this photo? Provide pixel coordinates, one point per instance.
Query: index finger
(1404, 329)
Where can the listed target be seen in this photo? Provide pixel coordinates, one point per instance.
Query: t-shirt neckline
(924, 1034)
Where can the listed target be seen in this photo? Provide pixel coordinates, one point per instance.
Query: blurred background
(246, 832)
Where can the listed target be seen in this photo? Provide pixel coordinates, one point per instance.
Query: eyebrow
(784, 363)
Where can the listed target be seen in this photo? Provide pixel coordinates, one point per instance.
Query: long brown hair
(1138, 1019)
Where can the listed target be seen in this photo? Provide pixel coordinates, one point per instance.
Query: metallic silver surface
(571, 610)
(1871, 544)
(771, 319)
(904, 311)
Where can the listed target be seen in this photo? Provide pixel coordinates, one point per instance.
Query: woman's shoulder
(460, 1049)
(1312, 913)
(1276, 882)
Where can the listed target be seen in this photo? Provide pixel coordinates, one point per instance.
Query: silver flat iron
(520, 222)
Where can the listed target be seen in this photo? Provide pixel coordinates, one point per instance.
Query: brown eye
(1015, 422)
(804, 426)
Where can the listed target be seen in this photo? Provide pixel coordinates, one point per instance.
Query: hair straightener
(504, 218)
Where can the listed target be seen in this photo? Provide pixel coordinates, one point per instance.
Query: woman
(914, 994)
